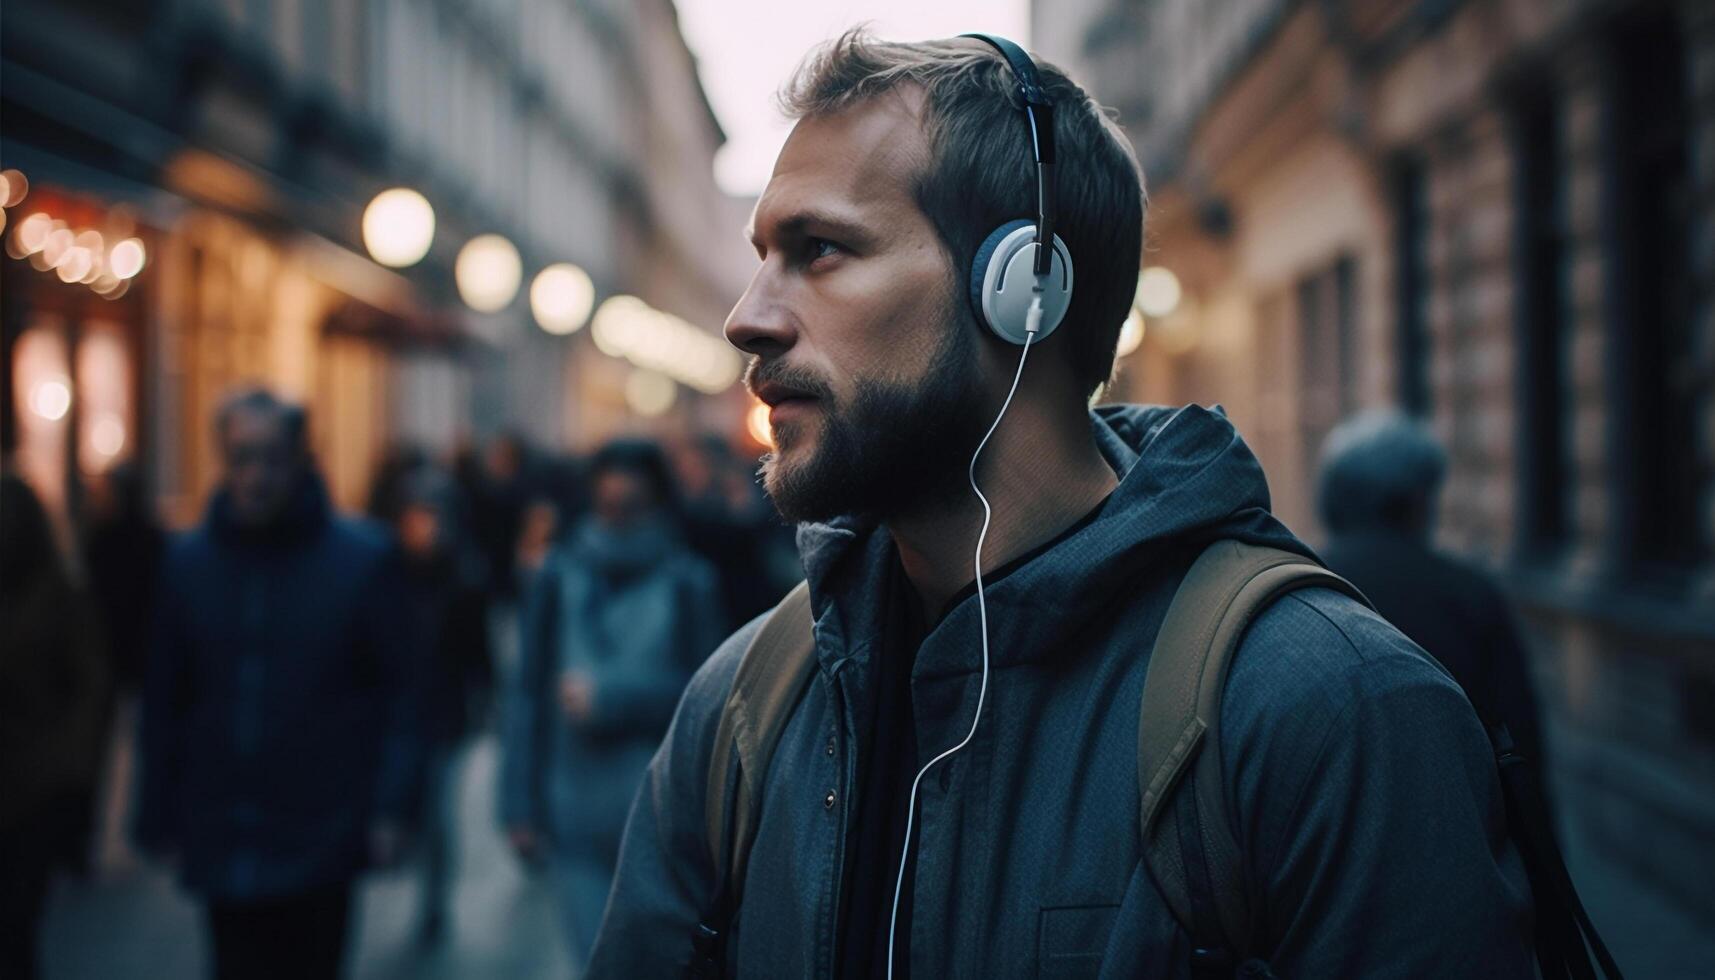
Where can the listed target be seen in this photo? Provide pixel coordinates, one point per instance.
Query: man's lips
(785, 401)
(788, 408)
(776, 395)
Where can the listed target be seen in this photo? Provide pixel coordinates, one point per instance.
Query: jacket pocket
(1071, 939)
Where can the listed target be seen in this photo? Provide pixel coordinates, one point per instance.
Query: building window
(1411, 284)
(1540, 315)
(1327, 310)
(1648, 202)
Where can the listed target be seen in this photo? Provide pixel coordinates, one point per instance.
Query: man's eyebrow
(832, 223)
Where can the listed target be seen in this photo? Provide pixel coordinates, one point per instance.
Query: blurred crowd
(297, 685)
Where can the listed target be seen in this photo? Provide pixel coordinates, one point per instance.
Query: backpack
(1188, 844)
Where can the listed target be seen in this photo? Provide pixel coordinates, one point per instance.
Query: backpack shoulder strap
(772, 676)
(1191, 853)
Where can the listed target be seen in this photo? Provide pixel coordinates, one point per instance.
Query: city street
(138, 924)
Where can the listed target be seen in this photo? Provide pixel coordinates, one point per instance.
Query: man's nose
(762, 323)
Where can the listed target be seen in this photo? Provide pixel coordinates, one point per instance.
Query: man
(1381, 474)
(1364, 790)
(278, 717)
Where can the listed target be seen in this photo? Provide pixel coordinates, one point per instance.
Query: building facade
(239, 142)
(1498, 216)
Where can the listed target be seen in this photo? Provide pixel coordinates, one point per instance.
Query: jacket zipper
(844, 767)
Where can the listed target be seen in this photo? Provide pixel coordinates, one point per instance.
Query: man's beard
(895, 444)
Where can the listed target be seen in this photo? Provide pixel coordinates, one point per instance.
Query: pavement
(129, 920)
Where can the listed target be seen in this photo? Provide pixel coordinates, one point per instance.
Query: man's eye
(820, 248)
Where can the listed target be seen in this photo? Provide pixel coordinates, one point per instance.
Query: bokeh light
(756, 420)
(51, 398)
(488, 271)
(107, 435)
(1158, 291)
(398, 227)
(650, 394)
(560, 298)
(13, 187)
(1131, 335)
(127, 259)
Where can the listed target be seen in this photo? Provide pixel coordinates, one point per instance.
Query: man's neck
(1039, 478)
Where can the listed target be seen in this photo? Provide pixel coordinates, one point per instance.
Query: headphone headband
(1039, 111)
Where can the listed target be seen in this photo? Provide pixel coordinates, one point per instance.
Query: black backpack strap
(1565, 936)
(771, 678)
(1194, 856)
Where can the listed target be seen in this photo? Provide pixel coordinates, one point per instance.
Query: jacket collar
(1186, 479)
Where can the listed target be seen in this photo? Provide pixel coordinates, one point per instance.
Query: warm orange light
(126, 259)
(33, 231)
(756, 420)
(51, 399)
(74, 264)
(13, 187)
(1131, 335)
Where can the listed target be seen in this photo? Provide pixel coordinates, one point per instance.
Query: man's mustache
(799, 380)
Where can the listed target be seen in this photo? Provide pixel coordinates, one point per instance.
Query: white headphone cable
(1032, 323)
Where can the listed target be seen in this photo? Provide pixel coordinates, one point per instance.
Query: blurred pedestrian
(279, 720)
(53, 698)
(498, 492)
(730, 523)
(122, 557)
(1380, 476)
(387, 490)
(620, 615)
(448, 614)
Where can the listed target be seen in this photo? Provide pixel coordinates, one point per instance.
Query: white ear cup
(1010, 283)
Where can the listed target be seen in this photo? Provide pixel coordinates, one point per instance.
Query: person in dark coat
(279, 720)
(498, 491)
(53, 695)
(1380, 476)
(619, 616)
(448, 611)
(123, 554)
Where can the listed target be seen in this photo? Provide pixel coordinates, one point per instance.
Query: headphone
(1020, 290)
(1012, 272)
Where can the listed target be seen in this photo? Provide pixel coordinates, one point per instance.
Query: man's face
(262, 465)
(621, 499)
(862, 347)
(420, 530)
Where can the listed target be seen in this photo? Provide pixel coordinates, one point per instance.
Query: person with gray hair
(1381, 475)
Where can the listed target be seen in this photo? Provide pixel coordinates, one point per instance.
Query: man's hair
(293, 419)
(981, 173)
(1380, 471)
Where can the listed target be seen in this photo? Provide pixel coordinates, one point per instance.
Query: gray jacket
(637, 624)
(1363, 788)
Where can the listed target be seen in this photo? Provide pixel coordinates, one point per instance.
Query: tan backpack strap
(776, 667)
(1194, 857)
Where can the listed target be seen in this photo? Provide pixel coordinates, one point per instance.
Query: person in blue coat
(616, 621)
(279, 736)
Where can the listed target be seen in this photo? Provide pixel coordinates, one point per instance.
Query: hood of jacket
(1186, 478)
